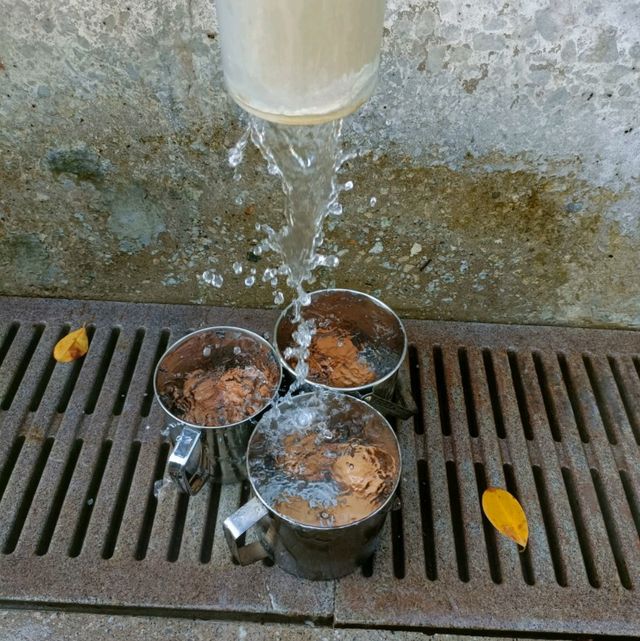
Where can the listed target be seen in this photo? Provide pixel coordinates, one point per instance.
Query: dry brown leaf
(506, 515)
(73, 346)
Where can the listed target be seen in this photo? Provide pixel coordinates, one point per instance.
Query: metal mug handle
(404, 407)
(238, 524)
(389, 408)
(188, 464)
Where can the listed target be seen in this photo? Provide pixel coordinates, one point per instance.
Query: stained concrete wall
(502, 148)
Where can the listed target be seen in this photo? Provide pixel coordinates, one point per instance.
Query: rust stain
(35, 435)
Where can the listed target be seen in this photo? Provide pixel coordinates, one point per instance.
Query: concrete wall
(503, 152)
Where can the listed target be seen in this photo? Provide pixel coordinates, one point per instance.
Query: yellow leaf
(506, 515)
(72, 346)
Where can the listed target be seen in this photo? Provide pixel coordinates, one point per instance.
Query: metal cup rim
(333, 528)
(346, 390)
(247, 332)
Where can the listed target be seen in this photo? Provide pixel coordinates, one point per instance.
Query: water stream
(306, 159)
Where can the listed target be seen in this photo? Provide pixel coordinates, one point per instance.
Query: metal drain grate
(551, 414)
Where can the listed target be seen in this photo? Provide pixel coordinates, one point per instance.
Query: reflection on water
(323, 459)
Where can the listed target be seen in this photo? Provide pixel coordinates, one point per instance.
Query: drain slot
(607, 420)
(516, 378)
(578, 519)
(89, 500)
(397, 541)
(101, 374)
(573, 395)
(74, 373)
(612, 530)
(416, 389)
(128, 373)
(121, 501)
(465, 374)
(54, 513)
(152, 504)
(543, 382)
(8, 340)
(441, 384)
(632, 500)
(46, 375)
(525, 556)
(426, 515)
(489, 531)
(210, 524)
(496, 407)
(367, 567)
(22, 367)
(10, 464)
(27, 498)
(457, 522)
(147, 401)
(626, 401)
(550, 527)
(178, 528)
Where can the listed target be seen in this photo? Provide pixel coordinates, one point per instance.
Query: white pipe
(300, 61)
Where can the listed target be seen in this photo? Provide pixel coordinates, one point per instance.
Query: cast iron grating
(553, 415)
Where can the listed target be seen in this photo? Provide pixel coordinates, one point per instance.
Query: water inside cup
(324, 460)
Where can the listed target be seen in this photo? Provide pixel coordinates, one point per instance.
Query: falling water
(306, 159)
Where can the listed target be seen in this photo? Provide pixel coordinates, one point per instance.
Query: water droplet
(237, 350)
(249, 281)
(348, 186)
(330, 261)
(212, 278)
(236, 153)
(335, 209)
(278, 299)
(206, 352)
(373, 201)
(159, 487)
(305, 299)
(237, 268)
(257, 250)
(269, 274)
(238, 200)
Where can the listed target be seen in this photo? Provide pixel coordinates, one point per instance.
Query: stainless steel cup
(374, 326)
(211, 452)
(308, 551)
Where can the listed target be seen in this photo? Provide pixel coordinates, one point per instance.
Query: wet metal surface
(551, 414)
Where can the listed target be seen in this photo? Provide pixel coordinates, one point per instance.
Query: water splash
(307, 160)
(323, 459)
(212, 278)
